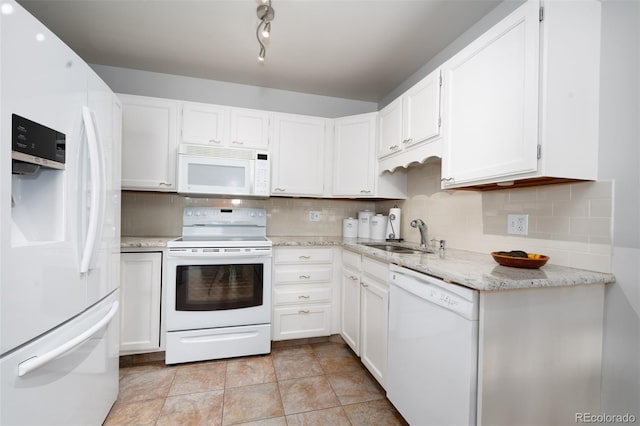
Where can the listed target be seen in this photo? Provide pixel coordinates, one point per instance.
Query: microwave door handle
(96, 185)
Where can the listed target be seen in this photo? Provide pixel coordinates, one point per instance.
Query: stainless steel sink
(398, 249)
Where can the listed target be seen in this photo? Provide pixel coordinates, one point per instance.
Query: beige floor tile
(274, 421)
(330, 416)
(339, 364)
(292, 351)
(291, 367)
(204, 408)
(135, 413)
(331, 349)
(250, 403)
(354, 386)
(199, 377)
(306, 394)
(146, 383)
(378, 412)
(250, 371)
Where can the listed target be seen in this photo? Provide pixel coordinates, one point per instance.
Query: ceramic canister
(364, 218)
(378, 227)
(350, 228)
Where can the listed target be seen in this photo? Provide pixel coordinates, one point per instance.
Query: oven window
(218, 287)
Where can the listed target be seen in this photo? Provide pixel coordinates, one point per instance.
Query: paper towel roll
(378, 227)
(393, 226)
(363, 223)
(350, 228)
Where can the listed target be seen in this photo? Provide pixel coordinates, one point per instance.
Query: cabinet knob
(306, 311)
(306, 277)
(238, 142)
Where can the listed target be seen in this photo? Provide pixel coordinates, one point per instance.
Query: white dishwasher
(433, 349)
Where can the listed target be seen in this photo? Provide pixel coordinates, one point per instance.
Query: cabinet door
(354, 156)
(350, 323)
(390, 128)
(140, 290)
(421, 110)
(204, 124)
(249, 129)
(302, 321)
(298, 155)
(149, 143)
(490, 102)
(375, 321)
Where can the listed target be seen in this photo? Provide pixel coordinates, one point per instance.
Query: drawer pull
(306, 311)
(238, 142)
(353, 277)
(214, 141)
(304, 257)
(306, 277)
(364, 285)
(279, 189)
(303, 297)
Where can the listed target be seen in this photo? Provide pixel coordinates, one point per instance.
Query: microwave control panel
(262, 173)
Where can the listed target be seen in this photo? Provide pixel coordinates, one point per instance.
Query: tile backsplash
(571, 223)
(149, 214)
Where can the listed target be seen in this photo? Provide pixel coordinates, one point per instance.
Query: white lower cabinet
(140, 296)
(303, 292)
(365, 310)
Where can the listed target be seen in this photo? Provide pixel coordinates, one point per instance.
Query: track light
(265, 14)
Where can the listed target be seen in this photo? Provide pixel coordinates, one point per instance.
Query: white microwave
(209, 170)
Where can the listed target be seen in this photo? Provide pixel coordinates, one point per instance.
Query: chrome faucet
(422, 227)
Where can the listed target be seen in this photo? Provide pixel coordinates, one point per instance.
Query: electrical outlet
(314, 216)
(518, 224)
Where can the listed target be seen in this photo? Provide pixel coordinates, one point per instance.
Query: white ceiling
(355, 49)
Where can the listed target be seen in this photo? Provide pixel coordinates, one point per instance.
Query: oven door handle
(188, 253)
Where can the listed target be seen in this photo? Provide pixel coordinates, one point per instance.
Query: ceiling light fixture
(265, 15)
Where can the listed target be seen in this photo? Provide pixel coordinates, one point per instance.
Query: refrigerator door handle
(96, 189)
(36, 362)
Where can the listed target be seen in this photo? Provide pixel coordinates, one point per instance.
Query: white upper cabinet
(225, 126)
(298, 153)
(421, 110)
(390, 128)
(409, 127)
(491, 102)
(204, 124)
(249, 128)
(149, 143)
(354, 156)
(521, 101)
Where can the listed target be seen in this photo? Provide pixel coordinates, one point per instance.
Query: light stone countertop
(475, 270)
(144, 242)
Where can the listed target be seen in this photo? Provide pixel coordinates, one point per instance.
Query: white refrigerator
(59, 230)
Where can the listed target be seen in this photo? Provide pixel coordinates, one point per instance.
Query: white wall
(619, 160)
(145, 83)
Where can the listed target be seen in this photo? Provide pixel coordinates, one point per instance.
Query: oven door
(209, 291)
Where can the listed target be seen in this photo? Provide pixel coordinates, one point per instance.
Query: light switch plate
(314, 216)
(518, 224)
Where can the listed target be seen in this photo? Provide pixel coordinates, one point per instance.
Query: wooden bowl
(519, 262)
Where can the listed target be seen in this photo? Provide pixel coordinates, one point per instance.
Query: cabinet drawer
(302, 274)
(303, 255)
(375, 269)
(300, 294)
(352, 259)
(301, 321)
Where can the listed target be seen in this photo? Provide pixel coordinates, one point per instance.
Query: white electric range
(219, 285)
